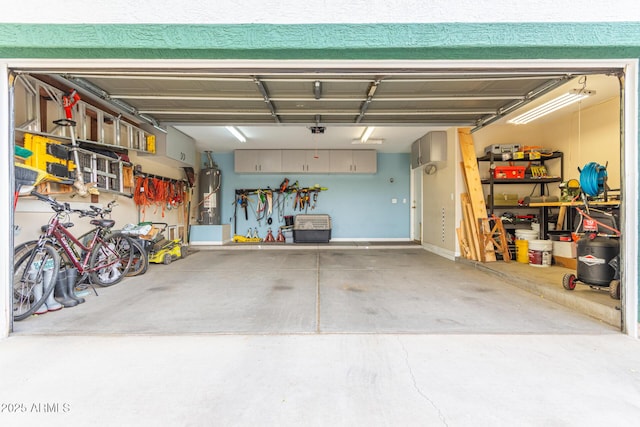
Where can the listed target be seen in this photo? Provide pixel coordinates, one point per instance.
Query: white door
(416, 204)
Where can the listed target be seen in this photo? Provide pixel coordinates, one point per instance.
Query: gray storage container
(312, 229)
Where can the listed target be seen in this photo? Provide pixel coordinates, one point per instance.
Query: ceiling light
(235, 132)
(368, 141)
(551, 106)
(367, 133)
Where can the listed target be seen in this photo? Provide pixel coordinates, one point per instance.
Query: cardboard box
(571, 263)
(503, 199)
(564, 249)
(151, 234)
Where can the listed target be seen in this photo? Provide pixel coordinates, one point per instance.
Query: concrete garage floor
(332, 336)
(337, 290)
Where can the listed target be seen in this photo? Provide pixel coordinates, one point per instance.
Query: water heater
(209, 184)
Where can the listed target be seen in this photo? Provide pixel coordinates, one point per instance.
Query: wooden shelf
(523, 181)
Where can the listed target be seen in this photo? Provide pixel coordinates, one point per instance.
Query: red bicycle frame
(61, 234)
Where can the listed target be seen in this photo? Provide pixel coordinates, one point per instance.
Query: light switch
(394, 201)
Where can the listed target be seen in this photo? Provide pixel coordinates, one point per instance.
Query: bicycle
(102, 259)
(139, 264)
(140, 261)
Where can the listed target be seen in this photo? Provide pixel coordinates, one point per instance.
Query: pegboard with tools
(255, 207)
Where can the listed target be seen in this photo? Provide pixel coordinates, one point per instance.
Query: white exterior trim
(6, 206)
(631, 177)
(317, 11)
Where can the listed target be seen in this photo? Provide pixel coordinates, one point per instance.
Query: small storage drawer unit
(312, 229)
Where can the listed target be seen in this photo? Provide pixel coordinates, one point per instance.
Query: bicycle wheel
(23, 248)
(111, 259)
(140, 261)
(34, 277)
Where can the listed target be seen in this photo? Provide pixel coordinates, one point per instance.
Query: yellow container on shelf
(151, 144)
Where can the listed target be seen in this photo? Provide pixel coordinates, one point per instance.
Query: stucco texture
(330, 41)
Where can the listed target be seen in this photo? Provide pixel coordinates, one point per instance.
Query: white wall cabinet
(174, 149)
(429, 148)
(258, 161)
(305, 161)
(353, 161)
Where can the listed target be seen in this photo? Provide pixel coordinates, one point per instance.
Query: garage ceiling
(278, 106)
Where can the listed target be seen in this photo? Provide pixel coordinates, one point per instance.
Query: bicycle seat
(105, 223)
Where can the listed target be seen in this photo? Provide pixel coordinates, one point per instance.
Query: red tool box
(509, 172)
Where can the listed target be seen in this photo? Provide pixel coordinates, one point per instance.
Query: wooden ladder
(495, 239)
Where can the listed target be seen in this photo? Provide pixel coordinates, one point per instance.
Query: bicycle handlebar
(55, 205)
(64, 207)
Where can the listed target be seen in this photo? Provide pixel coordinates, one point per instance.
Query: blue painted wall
(359, 205)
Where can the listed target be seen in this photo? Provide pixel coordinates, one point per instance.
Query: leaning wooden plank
(474, 184)
(472, 229)
(462, 237)
(464, 247)
(467, 234)
(561, 215)
(470, 219)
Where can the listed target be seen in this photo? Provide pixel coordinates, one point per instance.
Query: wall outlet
(394, 200)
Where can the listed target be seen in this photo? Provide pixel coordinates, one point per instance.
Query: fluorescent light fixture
(551, 106)
(366, 134)
(235, 132)
(369, 141)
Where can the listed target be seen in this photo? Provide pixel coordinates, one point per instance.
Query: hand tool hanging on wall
(68, 102)
(284, 185)
(304, 198)
(261, 208)
(269, 195)
(244, 202)
(296, 200)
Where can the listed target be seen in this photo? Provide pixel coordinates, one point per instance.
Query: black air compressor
(597, 264)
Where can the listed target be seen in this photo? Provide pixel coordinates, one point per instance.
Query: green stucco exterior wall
(323, 41)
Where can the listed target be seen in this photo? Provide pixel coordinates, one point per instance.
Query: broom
(28, 177)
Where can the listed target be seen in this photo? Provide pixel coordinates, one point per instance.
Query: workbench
(544, 228)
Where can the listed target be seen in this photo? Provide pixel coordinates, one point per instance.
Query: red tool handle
(68, 102)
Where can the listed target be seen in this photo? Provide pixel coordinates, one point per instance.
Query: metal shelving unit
(37, 104)
(492, 182)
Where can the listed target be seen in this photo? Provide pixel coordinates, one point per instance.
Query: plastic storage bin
(312, 229)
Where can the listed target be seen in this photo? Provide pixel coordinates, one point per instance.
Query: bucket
(522, 244)
(540, 253)
(526, 234)
(522, 251)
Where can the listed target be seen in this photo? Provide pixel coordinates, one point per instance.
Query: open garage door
(267, 102)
